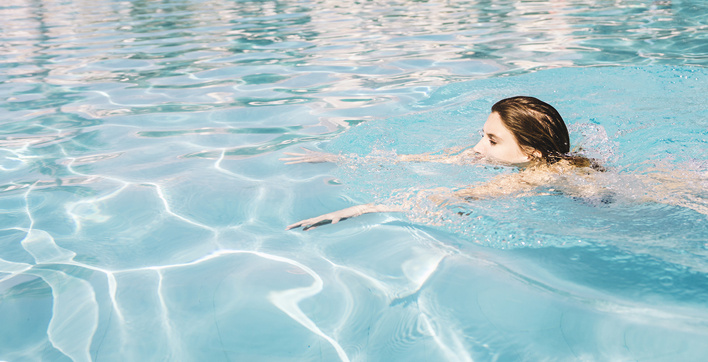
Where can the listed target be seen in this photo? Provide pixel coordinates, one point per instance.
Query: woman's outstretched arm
(441, 196)
(456, 155)
(519, 184)
(336, 216)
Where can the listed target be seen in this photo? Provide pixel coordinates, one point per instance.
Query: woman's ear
(531, 152)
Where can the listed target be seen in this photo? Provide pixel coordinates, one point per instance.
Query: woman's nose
(479, 148)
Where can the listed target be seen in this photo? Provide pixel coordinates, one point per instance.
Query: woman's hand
(309, 157)
(335, 217)
(329, 218)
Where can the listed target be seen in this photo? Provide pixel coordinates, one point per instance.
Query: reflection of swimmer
(520, 131)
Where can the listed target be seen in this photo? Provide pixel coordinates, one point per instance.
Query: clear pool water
(143, 205)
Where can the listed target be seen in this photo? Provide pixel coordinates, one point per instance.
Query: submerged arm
(336, 216)
(501, 186)
(450, 155)
(440, 196)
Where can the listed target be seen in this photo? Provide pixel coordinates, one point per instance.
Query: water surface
(143, 204)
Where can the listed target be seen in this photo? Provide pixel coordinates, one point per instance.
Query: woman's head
(521, 129)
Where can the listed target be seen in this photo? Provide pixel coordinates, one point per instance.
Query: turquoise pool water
(143, 203)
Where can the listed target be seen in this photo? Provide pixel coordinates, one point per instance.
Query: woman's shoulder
(543, 172)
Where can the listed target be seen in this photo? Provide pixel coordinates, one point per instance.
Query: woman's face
(499, 144)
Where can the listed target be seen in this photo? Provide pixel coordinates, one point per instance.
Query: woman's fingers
(297, 158)
(298, 154)
(305, 224)
(313, 223)
(337, 216)
(310, 224)
(295, 225)
(293, 161)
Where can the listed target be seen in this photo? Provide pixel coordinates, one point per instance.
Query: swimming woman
(524, 132)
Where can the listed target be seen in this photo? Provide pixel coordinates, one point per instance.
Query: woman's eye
(493, 142)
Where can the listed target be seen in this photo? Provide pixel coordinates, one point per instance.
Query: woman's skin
(498, 145)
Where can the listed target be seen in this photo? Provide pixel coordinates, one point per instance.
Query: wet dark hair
(537, 126)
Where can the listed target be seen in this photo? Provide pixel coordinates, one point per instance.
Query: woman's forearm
(450, 155)
(371, 208)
